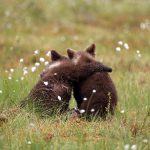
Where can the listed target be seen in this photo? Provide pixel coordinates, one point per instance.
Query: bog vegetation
(120, 29)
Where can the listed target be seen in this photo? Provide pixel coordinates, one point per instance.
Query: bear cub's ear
(55, 55)
(91, 50)
(70, 53)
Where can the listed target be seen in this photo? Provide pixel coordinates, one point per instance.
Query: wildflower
(145, 141)
(48, 53)
(46, 63)
(120, 42)
(59, 98)
(85, 99)
(9, 77)
(22, 78)
(137, 51)
(33, 69)
(17, 80)
(21, 60)
(31, 125)
(118, 49)
(42, 59)
(126, 46)
(1, 91)
(25, 72)
(82, 111)
(139, 55)
(37, 64)
(133, 147)
(46, 83)
(94, 91)
(29, 142)
(126, 147)
(11, 70)
(36, 52)
(92, 110)
(122, 111)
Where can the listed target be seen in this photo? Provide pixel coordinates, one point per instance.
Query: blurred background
(26, 26)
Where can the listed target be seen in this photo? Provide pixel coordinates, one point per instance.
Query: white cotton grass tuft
(59, 98)
(45, 83)
(37, 64)
(25, 72)
(126, 46)
(12, 70)
(133, 147)
(46, 63)
(29, 142)
(145, 140)
(120, 42)
(22, 78)
(122, 111)
(118, 49)
(82, 111)
(33, 69)
(21, 60)
(42, 59)
(126, 147)
(36, 52)
(1, 91)
(94, 91)
(85, 99)
(92, 110)
(10, 78)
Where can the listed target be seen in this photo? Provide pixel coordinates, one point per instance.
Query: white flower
(46, 83)
(31, 125)
(145, 140)
(46, 63)
(42, 59)
(33, 69)
(9, 77)
(118, 49)
(1, 91)
(92, 110)
(29, 142)
(17, 80)
(122, 111)
(59, 98)
(48, 53)
(126, 46)
(120, 42)
(21, 60)
(85, 99)
(22, 78)
(11, 70)
(25, 72)
(82, 111)
(139, 55)
(137, 51)
(133, 147)
(37, 64)
(94, 91)
(36, 52)
(126, 147)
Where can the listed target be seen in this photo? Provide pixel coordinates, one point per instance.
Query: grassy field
(26, 26)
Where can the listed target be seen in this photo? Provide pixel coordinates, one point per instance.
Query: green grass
(29, 25)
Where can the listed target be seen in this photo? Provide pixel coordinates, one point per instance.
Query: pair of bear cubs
(93, 88)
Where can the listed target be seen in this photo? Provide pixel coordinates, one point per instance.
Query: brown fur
(45, 97)
(105, 98)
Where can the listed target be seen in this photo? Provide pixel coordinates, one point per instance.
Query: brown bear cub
(53, 90)
(95, 95)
